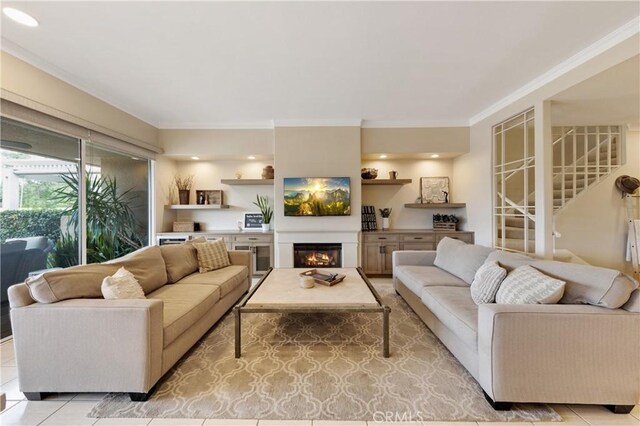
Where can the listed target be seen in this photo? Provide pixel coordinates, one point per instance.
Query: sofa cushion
(180, 259)
(527, 285)
(416, 277)
(508, 260)
(590, 284)
(183, 306)
(459, 258)
(121, 285)
(455, 309)
(226, 279)
(486, 282)
(633, 304)
(84, 281)
(212, 255)
(147, 265)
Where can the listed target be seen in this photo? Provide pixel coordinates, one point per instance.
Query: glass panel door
(262, 258)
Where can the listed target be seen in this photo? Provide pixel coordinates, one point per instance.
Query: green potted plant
(265, 209)
(385, 213)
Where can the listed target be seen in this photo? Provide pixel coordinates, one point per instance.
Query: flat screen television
(317, 196)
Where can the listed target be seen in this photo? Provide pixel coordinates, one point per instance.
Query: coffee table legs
(236, 313)
(385, 332)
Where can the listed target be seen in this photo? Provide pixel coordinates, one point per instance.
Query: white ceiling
(206, 64)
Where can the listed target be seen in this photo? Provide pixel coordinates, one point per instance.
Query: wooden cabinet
(261, 247)
(378, 246)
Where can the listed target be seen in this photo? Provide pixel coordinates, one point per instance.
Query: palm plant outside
(112, 226)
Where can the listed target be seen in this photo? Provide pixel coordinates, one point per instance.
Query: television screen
(317, 196)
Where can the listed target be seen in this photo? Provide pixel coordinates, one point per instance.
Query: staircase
(582, 157)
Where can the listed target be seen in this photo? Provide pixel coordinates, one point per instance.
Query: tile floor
(70, 410)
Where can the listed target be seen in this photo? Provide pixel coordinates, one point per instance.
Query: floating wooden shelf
(196, 207)
(247, 181)
(386, 181)
(435, 205)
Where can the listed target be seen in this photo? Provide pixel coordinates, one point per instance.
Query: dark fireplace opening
(317, 255)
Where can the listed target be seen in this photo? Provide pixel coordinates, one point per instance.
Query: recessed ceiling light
(195, 158)
(20, 17)
(435, 155)
(383, 156)
(251, 157)
(135, 158)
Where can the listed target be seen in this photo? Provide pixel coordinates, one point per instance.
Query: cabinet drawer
(419, 246)
(253, 238)
(419, 238)
(380, 238)
(467, 238)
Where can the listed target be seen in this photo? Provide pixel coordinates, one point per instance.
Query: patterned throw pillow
(527, 285)
(486, 282)
(122, 285)
(212, 255)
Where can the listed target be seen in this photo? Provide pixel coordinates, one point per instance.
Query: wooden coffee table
(279, 292)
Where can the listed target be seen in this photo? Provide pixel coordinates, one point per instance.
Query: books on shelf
(369, 222)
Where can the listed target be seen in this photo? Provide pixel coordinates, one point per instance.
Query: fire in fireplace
(319, 255)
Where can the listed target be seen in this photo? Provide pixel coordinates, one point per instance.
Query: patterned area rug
(321, 367)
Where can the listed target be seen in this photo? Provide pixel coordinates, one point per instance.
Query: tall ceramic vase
(183, 195)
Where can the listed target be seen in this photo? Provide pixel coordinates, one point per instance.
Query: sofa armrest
(413, 257)
(89, 345)
(559, 353)
(242, 257)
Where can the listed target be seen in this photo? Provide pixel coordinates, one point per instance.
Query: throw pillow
(527, 285)
(122, 285)
(212, 255)
(459, 258)
(486, 282)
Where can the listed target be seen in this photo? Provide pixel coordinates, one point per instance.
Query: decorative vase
(268, 172)
(385, 223)
(266, 227)
(183, 195)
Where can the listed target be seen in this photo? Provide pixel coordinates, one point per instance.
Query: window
(514, 182)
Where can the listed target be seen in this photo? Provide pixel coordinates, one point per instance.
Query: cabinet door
(371, 259)
(386, 258)
(262, 258)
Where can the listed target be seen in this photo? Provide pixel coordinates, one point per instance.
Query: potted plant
(385, 213)
(265, 209)
(184, 185)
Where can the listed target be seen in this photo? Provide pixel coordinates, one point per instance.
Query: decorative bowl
(369, 173)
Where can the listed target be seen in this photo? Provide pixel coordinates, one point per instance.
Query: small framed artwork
(253, 220)
(434, 190)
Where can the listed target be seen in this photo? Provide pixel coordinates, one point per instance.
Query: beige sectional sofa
(69, 339)
(583, 350)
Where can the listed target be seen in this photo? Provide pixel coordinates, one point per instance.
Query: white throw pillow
(121, 285)
(486, 282)
(527, 285)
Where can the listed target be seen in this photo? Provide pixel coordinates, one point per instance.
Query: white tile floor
(70, 409)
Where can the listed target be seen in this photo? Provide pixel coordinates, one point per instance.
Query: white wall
(229, 144)
(395, 197)
(165, 193)
(598, 235)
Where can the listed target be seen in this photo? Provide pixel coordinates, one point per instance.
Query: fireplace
(318, 255)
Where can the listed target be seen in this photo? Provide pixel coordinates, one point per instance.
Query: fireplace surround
(317, 255)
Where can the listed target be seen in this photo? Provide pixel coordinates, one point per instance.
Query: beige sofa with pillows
(69, 338)
(558, 333)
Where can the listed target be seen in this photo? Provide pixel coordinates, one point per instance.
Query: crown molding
(25, 55)
(612, 39)
(318, 123)
(254, 125)
(408, 124)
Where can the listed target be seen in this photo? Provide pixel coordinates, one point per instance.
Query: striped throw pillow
(212, 255)
(527, 285)
(486, 282)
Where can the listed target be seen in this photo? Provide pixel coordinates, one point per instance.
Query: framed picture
(434, 190)
(252, 220)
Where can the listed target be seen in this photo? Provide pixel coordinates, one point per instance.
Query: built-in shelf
(247, 181)
(435, 205)
(196, 207)
(386, 181)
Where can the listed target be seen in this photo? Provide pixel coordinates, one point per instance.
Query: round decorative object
(369, 173)
(627, 184)
(268, 172)
(307, 282)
